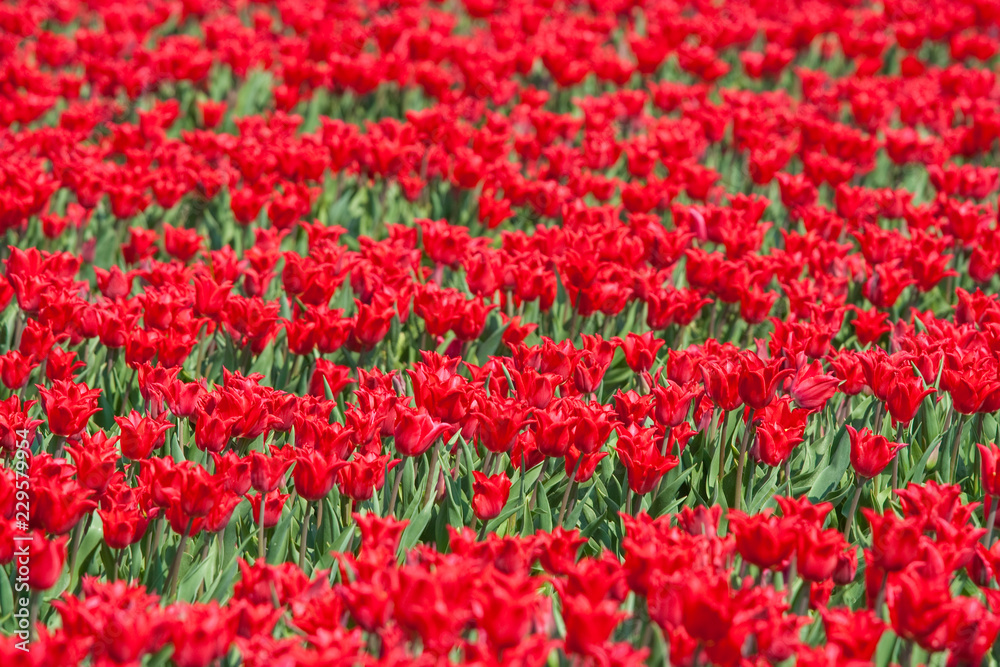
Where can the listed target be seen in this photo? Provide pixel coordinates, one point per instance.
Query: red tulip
(764, 540)
(640, 351)
(314, 474)
(68, 406)
(759, 380)
(415, 431)
(870, 453)
(46, 559)
(490, 494)
(141, 435)
(990, 456)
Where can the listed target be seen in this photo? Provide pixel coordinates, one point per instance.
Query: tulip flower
(46, 559)
(818, 553)
(722, 384)
(267, 471)
(671, 403)
(122, 526)
(141, 435)
(811, 388)
(894, 540)
(68, 406)
(490, 495)
(314, 474)
(766, 541)
(415, 431)
(640, 351)
(870, 453)
(904, 398)
(365, 474)
(643, 461)
(990, 478)
(759, 380)
(857, 633)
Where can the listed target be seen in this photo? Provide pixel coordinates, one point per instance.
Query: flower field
(499, 332)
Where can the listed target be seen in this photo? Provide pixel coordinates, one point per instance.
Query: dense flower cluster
(500, 333)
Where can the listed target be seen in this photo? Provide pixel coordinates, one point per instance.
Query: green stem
(303, 536)
(432, 478)
(854, 508)
(952, 472)
(261, 531)
(738, 499)
(395, 490)
(570, 486)
(990, 520)
(175, 567)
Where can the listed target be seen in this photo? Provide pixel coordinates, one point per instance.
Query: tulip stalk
(721, 446)
(432, 477)
(737, 500)
(880, 598)
(394, 493)
(570, 487)
(854, 508)
(788, 476)
(175, 567)
(900, 432)
(955, 442)
(991, 518)
(261, 531)
(303, 536)
(34, 604)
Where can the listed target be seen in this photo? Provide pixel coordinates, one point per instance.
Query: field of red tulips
(499, 332)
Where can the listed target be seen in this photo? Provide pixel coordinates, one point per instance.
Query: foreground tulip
(491, 494)
(811, 388)
(141, 435)
(759, 380)
(989, 456)
(415, 431)
(45, 561)
(904, 398)
(640, 351)
(870, 453)
(644, 463)
(314, 474)
(764, 540)
(68, 406)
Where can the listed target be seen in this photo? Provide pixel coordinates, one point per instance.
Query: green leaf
(418, 517)
(830, 476)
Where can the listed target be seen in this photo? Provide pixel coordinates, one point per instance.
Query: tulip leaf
(574, 516)
(829, 477)
(418, 517)
(277, 543)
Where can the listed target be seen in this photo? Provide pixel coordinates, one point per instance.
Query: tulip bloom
(818, 553)
(990, 469)
(721, 384)
(644, 462)
(870, 453)
(904, 398)
(759, 381)
(314, 474)
(764, 540)
(68, 406)
(640, 351)
(141, 435)
(415, 431)
(811, 388)
(46, 560)
(490, 495)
